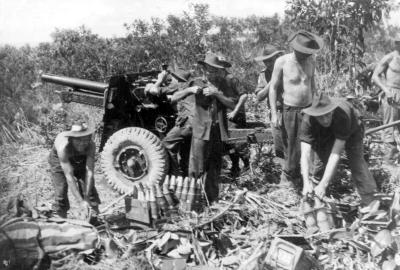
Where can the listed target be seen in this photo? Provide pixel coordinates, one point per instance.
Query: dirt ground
(24, 170)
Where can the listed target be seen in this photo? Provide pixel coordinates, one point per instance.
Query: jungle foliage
(353, 31)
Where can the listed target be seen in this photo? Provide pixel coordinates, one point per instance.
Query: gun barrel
(75, 83)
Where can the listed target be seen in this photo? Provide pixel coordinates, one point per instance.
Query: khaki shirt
(209, 111)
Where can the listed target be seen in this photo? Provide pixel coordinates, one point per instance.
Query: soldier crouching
(72, 166)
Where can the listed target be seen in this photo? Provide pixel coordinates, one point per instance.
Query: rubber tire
(153, 149)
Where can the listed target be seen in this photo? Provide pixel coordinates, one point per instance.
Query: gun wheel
(131, 156)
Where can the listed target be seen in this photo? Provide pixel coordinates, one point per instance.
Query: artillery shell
(309, 217)
(324, 217)
(191, 195)
(203, 199)
(166, 182)
(179, 186)
(197, 198)
(185, 190)
(141, 192)
(172, 183)
(147, 193)
(167, 195)
(153, 204)
(161, 202)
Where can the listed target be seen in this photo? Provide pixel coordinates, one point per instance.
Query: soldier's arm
(161, 78)
(330, 169)
(262, 89)
(69, 173)
(305, 161)
(380, 70)
(263, 93)
(226, 101)
(177, 96)
(155, 88)
(90, 169)
(241, 102)
(276, 77)
(313, 87)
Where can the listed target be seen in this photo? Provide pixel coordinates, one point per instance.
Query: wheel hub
(161, 124)
(132, 163)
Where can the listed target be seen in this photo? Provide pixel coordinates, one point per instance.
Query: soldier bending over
(329, 127)
(72, 166)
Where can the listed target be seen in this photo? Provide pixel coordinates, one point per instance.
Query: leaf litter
(236, 232)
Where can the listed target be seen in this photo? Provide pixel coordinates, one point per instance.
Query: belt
(296, 107)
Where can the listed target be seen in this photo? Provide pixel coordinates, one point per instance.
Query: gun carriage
(132, 126)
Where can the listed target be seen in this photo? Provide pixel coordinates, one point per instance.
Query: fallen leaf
(174, 254)
(389, 265)
(185, 249)
(230, 260)
(372, 207)
(384, 238)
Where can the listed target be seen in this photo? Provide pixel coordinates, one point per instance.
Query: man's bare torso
(297, 80)
(393, 70)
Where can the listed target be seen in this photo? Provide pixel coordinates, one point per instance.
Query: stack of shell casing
(187, 191)
(175, 193)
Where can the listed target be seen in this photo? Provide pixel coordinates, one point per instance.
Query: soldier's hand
(210, 91)
(320, 190)
(231, 115)
(194, 89)
(162, 76)
(274, 120)
(308, 188)
(151, 89)
(84, 210)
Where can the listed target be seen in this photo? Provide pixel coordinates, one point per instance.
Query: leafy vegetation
(353, 31)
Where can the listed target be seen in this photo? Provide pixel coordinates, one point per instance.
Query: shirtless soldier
(296, 71)
(389, 68)
(72, 166)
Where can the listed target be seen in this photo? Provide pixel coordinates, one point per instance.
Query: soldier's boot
(235, 169)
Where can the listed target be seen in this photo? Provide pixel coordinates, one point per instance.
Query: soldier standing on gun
(210, 125)
(270, 54)
(296, 72)
(177, 141)
(72, 166)
(389, 67)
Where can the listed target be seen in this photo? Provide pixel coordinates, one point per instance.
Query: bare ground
(24, 170)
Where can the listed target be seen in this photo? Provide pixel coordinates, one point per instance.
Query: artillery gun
(133, 124)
